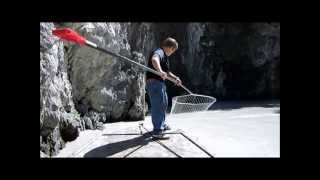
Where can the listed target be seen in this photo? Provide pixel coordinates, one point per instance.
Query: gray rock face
(230, 60)
(143, 37)
(56, 104)
(103, 83)
(43, 155)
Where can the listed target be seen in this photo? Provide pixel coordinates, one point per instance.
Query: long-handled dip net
(180, 104)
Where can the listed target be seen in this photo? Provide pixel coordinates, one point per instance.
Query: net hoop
(191, 103)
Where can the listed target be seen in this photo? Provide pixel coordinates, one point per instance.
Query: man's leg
(165, 125)
(164, 104)
(156, 99)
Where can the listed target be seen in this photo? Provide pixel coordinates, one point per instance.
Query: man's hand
(178, 81)
(164, 75)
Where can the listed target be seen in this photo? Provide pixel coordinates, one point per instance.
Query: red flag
(69, 34)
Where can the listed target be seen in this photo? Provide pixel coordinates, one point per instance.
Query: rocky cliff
(233, 60)
(59, 120)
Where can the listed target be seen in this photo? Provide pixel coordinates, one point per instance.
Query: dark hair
(170, 42)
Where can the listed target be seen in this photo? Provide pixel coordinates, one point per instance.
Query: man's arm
(156, 64)
(172, 75)
(178, 81)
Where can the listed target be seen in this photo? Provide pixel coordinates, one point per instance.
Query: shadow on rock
(113, 148)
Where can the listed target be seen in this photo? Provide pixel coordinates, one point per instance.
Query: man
(156, 87)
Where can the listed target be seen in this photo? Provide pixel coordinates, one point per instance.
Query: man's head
(169, 45)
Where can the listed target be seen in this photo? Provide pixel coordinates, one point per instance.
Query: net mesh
(191, 103)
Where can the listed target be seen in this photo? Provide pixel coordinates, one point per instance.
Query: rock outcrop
(102, 84)
(59, 121)
(233, 60)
